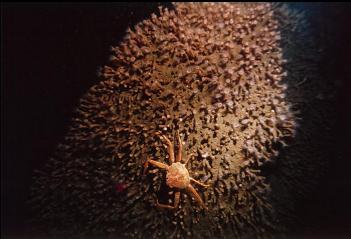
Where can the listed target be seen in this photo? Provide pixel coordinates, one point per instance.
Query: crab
(177, 174)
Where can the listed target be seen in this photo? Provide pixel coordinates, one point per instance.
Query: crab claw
(146, 165)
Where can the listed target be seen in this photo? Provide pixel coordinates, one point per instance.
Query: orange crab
(177, 174)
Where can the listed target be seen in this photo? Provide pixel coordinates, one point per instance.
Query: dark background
(50, 56)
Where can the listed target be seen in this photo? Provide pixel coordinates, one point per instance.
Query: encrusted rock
(218, 74)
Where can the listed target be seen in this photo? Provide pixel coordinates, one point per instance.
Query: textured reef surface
(236, 81)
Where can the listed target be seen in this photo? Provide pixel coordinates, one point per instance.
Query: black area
(327, 214)
(50, 55)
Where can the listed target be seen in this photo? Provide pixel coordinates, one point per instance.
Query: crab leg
(176, 202)
(197, 197)
(199, 183)
(155, 163)
(189, 157)
(170, 148)
(180, 148)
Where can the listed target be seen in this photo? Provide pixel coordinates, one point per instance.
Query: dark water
(50, 55)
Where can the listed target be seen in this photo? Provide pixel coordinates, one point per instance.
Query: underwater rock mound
(220, 75)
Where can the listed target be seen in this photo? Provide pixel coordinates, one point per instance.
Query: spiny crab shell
(177, 176)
